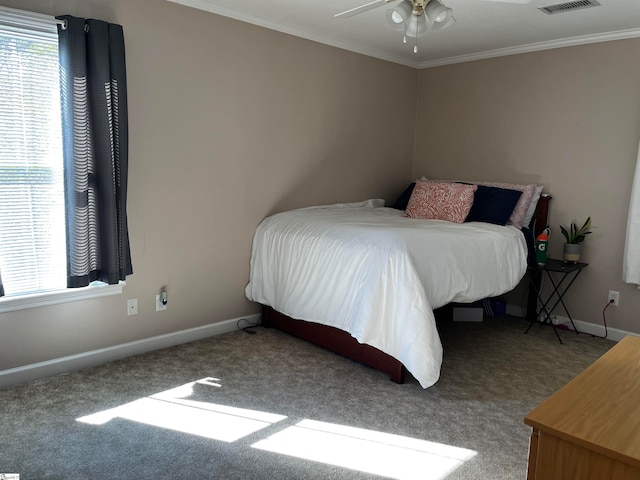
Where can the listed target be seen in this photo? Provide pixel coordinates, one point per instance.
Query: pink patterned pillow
(441, 201)
(520, 210)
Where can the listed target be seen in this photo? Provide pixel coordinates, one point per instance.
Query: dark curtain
(95, 142)
(1, 287)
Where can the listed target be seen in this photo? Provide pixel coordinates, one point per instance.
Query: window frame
(54, 297)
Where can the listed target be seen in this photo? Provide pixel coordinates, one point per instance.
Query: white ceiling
(484, 28)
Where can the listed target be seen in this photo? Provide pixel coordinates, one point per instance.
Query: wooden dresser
(590, 428)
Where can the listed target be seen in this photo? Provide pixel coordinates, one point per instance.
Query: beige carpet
(269, 406)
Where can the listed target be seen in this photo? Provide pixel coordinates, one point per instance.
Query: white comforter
(378, 275)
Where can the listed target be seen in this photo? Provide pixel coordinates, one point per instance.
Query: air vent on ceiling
(569, 6)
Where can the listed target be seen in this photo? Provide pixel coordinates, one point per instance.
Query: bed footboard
(335, 340)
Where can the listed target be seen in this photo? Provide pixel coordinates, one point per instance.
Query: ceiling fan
(415, 17)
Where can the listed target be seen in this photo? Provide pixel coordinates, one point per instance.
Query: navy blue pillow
(493, 205)
(403, 199)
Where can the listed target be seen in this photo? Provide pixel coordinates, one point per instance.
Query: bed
(362, 279)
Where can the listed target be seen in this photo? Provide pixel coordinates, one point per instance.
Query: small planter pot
(572, 252)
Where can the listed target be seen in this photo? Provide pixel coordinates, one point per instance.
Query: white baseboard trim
(614, 334)
(34, 371)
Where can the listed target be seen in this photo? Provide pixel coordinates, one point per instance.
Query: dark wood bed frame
(342, 343)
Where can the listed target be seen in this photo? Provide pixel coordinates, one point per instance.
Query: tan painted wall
(229, 122)
(567, 118)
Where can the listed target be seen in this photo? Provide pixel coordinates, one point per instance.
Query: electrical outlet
(159, 305)
(615, 296)
(132, 306)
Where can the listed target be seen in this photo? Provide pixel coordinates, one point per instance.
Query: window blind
(32, 223)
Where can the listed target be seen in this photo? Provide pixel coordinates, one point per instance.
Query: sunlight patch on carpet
(185, 409)
(172, 410)
(391, 456)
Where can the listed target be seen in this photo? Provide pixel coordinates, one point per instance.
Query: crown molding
(534, 47)
(501, 52)
(288, 29)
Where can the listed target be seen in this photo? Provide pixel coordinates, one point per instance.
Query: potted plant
(574, 236)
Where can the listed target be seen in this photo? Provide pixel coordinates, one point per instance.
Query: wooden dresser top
(600, 408)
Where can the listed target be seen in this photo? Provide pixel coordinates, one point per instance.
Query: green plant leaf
(575, 234)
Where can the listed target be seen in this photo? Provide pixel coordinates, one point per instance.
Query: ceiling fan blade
(362, 8)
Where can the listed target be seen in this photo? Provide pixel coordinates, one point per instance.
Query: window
(44, 197)
(32, 223)
(33, 247)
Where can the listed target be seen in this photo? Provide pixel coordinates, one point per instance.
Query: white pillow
(532, 206)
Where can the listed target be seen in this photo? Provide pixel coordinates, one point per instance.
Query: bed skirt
(335, 340)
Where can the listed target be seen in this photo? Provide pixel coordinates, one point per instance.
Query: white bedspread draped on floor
(631, 262)
(378, 275)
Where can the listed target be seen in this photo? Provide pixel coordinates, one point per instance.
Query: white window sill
(22, 302)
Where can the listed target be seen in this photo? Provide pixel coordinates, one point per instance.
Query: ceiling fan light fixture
(436, 12)
(415, 26)
(445, 24)
(399, 15)
(416, 19)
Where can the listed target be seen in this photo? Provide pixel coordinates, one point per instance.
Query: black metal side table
(566, 274)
